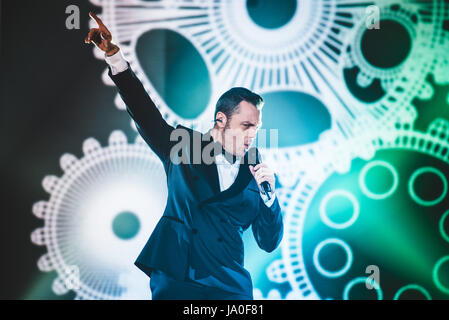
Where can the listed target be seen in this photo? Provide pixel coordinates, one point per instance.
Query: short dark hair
(229, 101)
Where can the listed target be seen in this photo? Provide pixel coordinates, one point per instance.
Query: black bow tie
(228, 156)
(231, 158)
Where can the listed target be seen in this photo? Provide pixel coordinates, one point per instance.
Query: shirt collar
(223, 157)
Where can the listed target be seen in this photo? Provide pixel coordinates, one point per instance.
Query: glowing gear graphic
(413, 41)
(320, 49)
(407, 33)
(382, 213)
(309, 48)
(300, 53)
(99, 216)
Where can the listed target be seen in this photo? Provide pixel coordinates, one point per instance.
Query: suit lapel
(241, 181)
(210, 171)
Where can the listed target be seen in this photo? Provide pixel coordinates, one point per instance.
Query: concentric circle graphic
(416, 197)
(366, 169)
(393, 233)
(358, 281)
(443, 232)
(318, 48)
(327, 273)
(100, 213)
(412, 287)
(339, 193)
(361, 109)
(437, 277)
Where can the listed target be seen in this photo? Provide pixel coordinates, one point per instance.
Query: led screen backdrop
(359, 94)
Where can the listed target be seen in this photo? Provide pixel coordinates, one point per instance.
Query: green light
(412, 287)
(358, 280)
(339, 193)
(126, 225)
(364, 172)
(344, 269)
(444, 233)
(436, 279)
(416, 197)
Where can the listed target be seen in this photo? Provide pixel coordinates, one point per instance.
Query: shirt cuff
(117, 62)
(267, 202)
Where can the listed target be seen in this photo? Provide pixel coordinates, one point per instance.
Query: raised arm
(149, 121)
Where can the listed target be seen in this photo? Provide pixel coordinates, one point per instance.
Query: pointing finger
(98, 20)
(100, 24)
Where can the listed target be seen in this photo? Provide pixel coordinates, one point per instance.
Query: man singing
(196, 250)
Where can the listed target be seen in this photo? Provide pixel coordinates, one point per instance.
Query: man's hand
(101, 37)
(261, 173)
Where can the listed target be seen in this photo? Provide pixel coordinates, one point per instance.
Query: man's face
(241, 129)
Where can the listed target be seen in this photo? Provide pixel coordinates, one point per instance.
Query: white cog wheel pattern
(407, 20)
(302, 55)
(307, 54)
(397, 74)
(99, 216)
(395, 223)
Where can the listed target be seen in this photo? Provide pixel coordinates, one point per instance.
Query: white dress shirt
(227, 172)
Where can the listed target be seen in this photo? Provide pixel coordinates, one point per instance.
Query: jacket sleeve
(268, 226)
(149, 122)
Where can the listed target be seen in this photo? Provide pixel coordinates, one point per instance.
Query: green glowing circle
(444, 233)
(126, 225)
(416, 197)
(333, 274)
(412, 287)
(358, 280)
(341, 193)
(437, 281)
(362, 180)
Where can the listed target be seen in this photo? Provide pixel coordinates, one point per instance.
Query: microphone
(265, 185)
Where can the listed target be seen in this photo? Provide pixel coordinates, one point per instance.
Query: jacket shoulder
(190, 131)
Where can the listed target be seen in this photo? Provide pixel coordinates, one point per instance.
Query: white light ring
(362, 183)
(413, 194)
(350, 197)
(358, 280)
(332, 274)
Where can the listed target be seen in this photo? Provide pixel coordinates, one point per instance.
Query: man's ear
(220, 120)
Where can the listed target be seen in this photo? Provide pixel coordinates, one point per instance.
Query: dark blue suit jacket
(199, 236)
